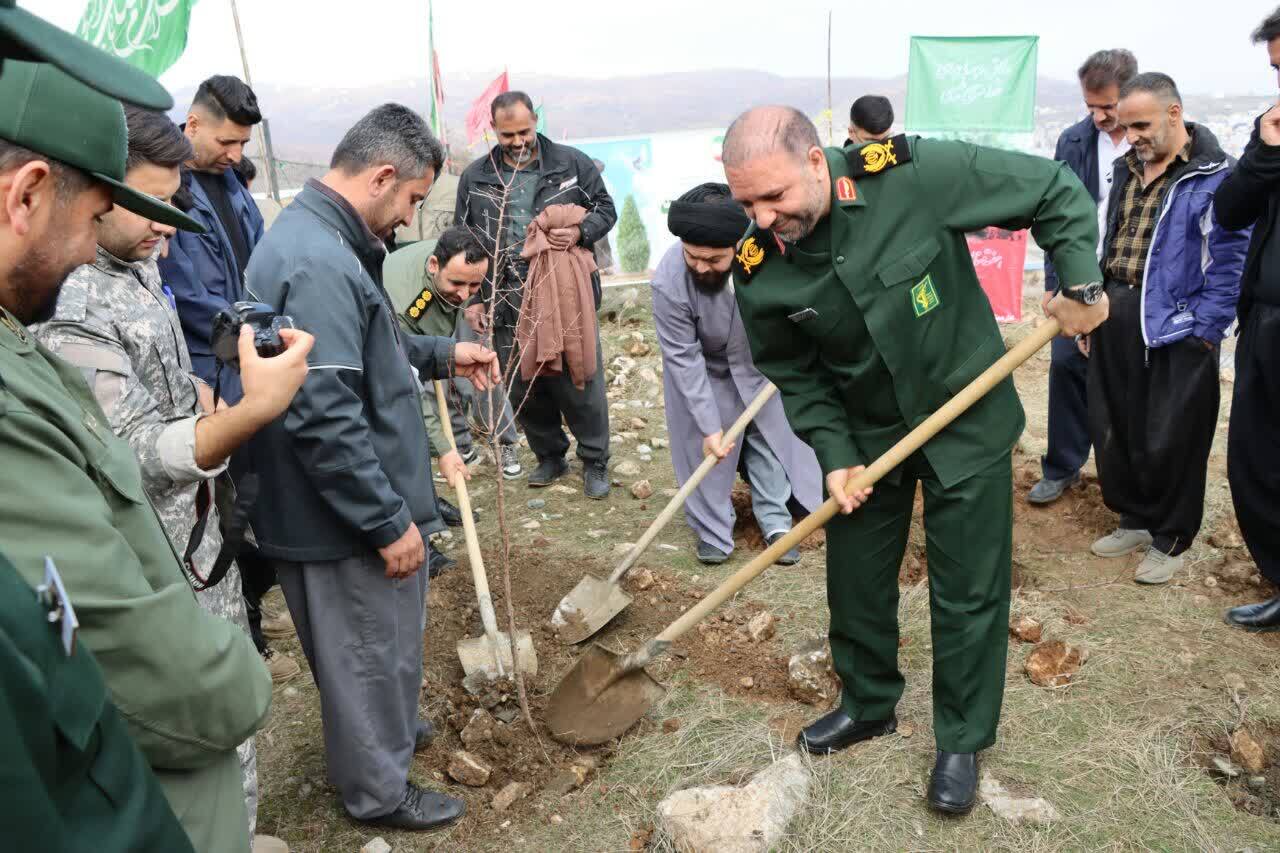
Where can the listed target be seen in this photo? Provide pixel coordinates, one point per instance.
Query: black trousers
(257, 576)
(543, 405)
(1253, 438)
(1068, 411)
(1152, 415)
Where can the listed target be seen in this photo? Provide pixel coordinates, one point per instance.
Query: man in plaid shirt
(1173, 276)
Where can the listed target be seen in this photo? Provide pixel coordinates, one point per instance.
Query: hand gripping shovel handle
(891, 459)
(478, 575)
(699, 474)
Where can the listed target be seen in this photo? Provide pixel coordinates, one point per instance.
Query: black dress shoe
(423, 735)
(548, 471)
(710, 555)
(790, 558)
(450, 514)
(595, 479)
(421, 810)
(953, 788)
(837, 730)
(1256, 617)
(437, 562)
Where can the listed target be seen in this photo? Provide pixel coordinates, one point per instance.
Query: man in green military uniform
(71, 772)
(861, 304)
(190, 685)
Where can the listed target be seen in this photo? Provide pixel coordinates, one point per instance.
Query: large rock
(642, 489)
(749, 819)
(1247, 752)
(1011, 808)
(467, 769)
(762, 626)
(479, 728)
(626, 468)
(1026, 629)
(810, 677)
(1054, 663)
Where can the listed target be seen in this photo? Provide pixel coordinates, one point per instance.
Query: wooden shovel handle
(891, 459)
(668, 512)
(478, 575)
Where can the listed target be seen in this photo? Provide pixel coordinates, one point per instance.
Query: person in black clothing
(245, 172)
(1251, 196)
(870, 119)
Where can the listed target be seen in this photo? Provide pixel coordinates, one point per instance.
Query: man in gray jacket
(347, 499)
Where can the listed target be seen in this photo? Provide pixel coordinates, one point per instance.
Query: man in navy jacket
(1088, 148)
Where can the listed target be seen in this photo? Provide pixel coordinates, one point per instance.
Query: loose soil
(1263, 801)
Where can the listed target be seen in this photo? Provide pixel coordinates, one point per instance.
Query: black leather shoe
(421, 810)
(548, 471)
(836, 730)
(595, 480)
(953, 788)
(790, 558)
(1256, 617)
(450, 514)
(710, 555)
(423, 735)
(437, 562)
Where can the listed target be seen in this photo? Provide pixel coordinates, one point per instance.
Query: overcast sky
(334, 43)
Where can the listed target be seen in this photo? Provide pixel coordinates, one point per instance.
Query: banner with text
(998, 257)
(986, 83)
(150, 34)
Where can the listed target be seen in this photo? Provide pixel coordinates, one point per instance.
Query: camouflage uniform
(115, 322)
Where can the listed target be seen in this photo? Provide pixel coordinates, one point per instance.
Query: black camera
(264, 321)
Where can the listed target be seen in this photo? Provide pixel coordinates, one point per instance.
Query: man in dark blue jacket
(1250, 196)
(1172, 277)
(205, 272)
(1088, 148)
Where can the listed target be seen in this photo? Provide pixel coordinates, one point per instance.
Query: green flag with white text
(150, 34)
(985, 83)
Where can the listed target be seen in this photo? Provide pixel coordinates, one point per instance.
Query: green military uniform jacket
(190, 685)
(421, 311)
(72, 776)
(868, 332)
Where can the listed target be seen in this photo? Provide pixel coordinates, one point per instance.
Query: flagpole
(831, 116)
(437, 85)
(264, 132)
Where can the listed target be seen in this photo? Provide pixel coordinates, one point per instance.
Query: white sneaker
(1121, 542)
(511, 462)
(1157, 567)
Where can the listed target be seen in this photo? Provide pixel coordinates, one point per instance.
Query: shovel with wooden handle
(492, 653)
(592, 603)
(606, 693)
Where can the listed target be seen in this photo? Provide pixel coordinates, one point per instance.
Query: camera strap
(235, 527)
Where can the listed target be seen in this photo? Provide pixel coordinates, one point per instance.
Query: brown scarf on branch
(556, 331)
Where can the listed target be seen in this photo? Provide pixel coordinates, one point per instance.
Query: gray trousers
(770, 486)
(479, 403)
(362, 634)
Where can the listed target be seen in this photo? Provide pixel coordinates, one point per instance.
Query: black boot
(595, 479)
(423, 735)
(450, 514)
(953, 788)
(1256, 617)
(548, 471)
(710, 555)
(421, 810)
(837, 730)
(437, 562)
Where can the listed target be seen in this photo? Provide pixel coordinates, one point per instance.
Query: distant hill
(307, 123)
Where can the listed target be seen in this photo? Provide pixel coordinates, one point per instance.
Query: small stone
(1053, 664)
(540, 542)
(646, 459)
(906, 730)
(377, 845)
(596, 534)
(644, 450)
(810, 677)
(623, 548)
(626, 468)
(1199, 601)
(647, 374)
(668, 493)
(537, 503)
(1247, 752)
(762, 626)
(513, 791)
(1026, 629)
(561, 489)
(1225, 767)
(1210, 581)
(569, 779)
(1227, 539)
(1237, 572)
(660, 443)
(1234, 681)
(531, 525)
(1014, 809)
(642, 579)
(507, 714)
(695, 578)
(1257, 783)
(479, 728)
(468, 769)
(305, 790)
(671, 725)
(291, 692)
(639, 349)
(747, 682)
(556, 819)
(638, 423)
(663, 546)
(641, 489)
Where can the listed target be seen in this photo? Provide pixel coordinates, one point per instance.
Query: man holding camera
(115, 322)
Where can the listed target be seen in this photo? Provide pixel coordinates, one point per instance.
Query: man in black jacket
(347, 501)
(1088, 148)
(498, 196)
(1251, 196)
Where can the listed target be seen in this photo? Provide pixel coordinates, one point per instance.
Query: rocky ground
(1134, 719)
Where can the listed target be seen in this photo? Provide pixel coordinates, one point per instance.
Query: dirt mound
(746, 531)
(1255, 793)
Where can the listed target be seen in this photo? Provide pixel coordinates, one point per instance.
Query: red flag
(478, 117)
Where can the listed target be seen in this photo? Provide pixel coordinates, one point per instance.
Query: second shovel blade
(596, 701)
(477, 654)
(587, 608)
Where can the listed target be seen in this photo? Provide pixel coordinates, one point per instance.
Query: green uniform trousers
(969, 534)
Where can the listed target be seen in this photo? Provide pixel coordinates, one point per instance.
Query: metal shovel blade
(592, 704)
(477, 655)
(587, 608)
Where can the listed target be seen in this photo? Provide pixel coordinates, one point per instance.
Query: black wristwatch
(1089, 294)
